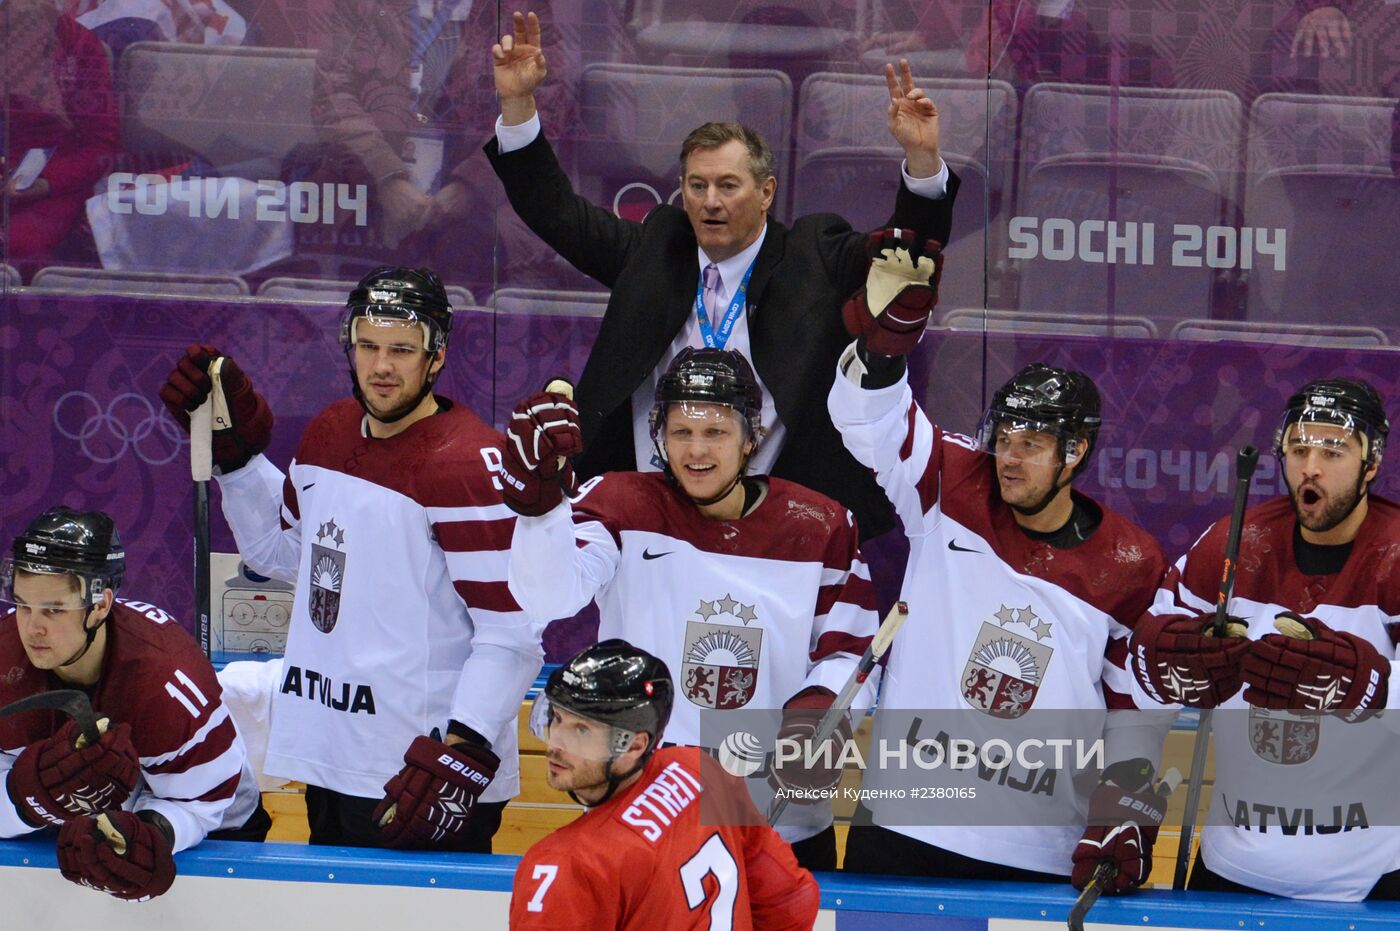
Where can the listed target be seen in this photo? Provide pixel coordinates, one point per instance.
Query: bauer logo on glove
(901, 290)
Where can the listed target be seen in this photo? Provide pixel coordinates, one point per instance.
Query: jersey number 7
(712, 859)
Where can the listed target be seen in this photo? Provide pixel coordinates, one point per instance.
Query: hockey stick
(1107, 869)
(1245, 462)
(210, 416)
(71, 702)
(832, 718)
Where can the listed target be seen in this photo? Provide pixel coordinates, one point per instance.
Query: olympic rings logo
(106, 435)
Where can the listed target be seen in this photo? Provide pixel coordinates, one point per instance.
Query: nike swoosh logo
(648, 554)
(304, 487)
(960, 549)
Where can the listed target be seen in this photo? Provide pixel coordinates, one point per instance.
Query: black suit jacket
(800, 281)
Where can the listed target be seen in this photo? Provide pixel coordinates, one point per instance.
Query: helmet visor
(401, 328)
(1004, 433)
(1320, 428)
(576, 735)
(70, 600)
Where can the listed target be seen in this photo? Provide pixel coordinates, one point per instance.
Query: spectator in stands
(402, 104)
(118, 23)
(62, 131)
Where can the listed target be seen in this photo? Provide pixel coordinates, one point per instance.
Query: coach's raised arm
(718, 273)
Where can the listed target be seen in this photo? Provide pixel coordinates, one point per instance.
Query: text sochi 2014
(221, 198)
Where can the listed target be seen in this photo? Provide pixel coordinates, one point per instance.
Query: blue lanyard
(424, 35)
(712, 339)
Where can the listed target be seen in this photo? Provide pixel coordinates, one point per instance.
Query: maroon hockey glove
(536, 470)
(1123, 823)
(1178, 658)
(900, 292)
(53, 781)
(809, 781)
(1309, 665)
(188, 385)
(429, 802)
(131, 859)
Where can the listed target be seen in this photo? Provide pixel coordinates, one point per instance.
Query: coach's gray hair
(714, 135)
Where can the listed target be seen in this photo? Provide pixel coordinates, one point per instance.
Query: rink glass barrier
(232, 887)
(1195, 205)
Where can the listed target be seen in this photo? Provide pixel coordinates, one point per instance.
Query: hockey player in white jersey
(407, 659)
(1006, 563)
(752, 587)
(1295, 808)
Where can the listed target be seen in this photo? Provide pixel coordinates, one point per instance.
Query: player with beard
(752, 586)
(1318, 593)
(390, 523)
(668, 839)
(1006, 561)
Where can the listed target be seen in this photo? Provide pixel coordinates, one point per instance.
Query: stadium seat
(331, 291)
(243, 110)
(560, 303)
(848, 164)
(1327, 336)
(1138, 155)
(1319, 169)
(10, 277)
(62, 279)
(1013, 321)
(635, 117)
(702, 32)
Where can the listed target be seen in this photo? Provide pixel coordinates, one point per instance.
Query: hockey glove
(188, 385)
(119, 853)
(429, 802)
(1125, 812)
(1309, 665)
(1178, 658)
(900, 292)
(54, 780)
(816, 770)
(536, 470)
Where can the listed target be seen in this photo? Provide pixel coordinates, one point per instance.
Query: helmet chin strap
(428, 381)
(1050, 495)
(87, 643)
(615, 780)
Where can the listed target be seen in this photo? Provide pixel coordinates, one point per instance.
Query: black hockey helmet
(415, 295)
(1040, 397)
(616, 684)
(62, 541)
(1349, 403)
(708, 376)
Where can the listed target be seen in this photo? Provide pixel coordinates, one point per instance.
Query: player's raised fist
(1178, 658)
(544, 433)
(250, 420)
(54, 780)
(1309, 665)
(901, 290)
(118, 853)
(429, 802)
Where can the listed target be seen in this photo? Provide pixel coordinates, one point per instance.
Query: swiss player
(752, 586)
(1007, 562)
(170, 768)
(407, 658)
(1317, 591)
(645, 854)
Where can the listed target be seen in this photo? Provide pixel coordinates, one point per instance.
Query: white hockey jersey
(746, 613)
(1296, 786)
(999, 623)
(402, 617)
